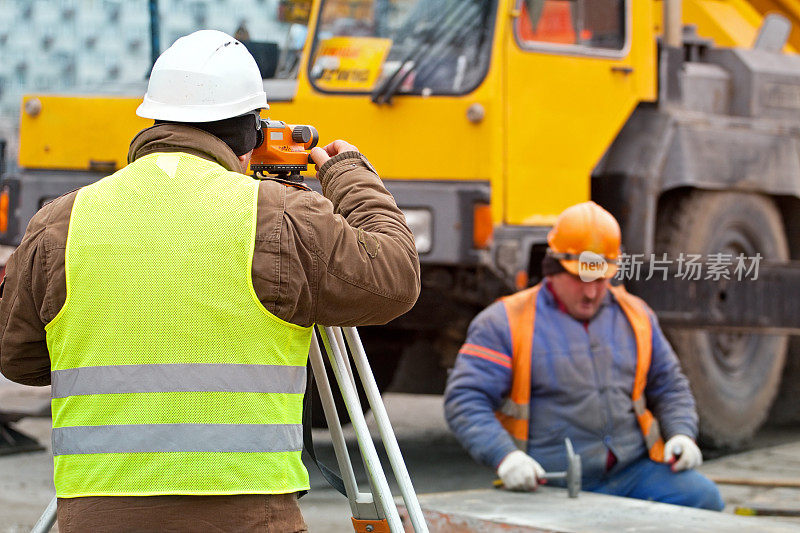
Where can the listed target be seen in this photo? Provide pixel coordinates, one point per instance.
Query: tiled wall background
(63, 46)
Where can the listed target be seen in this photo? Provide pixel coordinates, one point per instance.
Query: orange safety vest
(514, 414)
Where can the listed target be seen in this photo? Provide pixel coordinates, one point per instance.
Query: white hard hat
(205, 76)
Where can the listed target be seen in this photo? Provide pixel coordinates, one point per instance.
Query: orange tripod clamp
(371, 526)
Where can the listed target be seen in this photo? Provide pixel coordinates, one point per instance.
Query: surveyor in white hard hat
(170, 305)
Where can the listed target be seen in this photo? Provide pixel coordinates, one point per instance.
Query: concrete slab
(549, 510)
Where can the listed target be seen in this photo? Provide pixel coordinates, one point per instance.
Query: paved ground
(436, 461)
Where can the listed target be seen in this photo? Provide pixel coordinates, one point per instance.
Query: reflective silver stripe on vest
(652, 437)
(521, 444)
(178, 378)
(639, 406)
(515, 410)
(155, 438)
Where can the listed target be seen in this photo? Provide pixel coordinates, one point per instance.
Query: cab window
(594, 25)
(426, 46)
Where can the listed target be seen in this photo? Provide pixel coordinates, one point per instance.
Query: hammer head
(573, 470)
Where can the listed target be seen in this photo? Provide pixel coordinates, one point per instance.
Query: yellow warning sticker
(349, 63)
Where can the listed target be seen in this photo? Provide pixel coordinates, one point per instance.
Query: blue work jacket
(581, 385)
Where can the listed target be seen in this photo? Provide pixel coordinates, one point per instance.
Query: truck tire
(734, 377)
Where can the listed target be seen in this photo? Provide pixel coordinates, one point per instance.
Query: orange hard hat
(585, 227)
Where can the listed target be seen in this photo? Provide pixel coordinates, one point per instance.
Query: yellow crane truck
(486, 118)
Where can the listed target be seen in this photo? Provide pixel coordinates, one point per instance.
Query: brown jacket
(345, 258)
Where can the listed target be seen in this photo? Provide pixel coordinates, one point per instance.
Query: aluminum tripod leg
(381, 491)
(379, 412)
(48, 518)
(361, 504)
(386, 431)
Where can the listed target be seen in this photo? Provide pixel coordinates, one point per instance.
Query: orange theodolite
(284, 150)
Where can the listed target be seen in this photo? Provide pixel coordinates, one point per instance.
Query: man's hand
(683, 453)
(519, 471)
(321, 155)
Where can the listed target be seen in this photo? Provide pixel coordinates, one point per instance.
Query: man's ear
(244, 159)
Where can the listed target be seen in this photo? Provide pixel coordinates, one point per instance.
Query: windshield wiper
(457, 20)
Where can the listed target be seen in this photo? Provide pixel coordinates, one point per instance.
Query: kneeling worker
(583, 360)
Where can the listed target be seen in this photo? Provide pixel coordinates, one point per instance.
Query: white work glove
(519, 471)
(686, 452)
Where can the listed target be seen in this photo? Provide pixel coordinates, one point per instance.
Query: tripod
(374, 511)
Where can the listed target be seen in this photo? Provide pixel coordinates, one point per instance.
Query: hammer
(572, 473)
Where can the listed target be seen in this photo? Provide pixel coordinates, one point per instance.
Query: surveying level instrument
(374, 511)
(284, 150)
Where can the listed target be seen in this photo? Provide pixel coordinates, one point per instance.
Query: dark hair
(551, 266)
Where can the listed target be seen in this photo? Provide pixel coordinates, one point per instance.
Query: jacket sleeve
(23, 350)
(477, 386)
(368, 269)
(667, 390)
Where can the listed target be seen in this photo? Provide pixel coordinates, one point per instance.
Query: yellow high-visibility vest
(168, 374)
